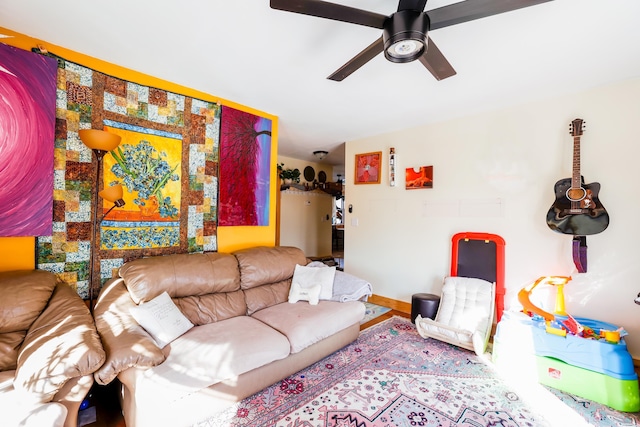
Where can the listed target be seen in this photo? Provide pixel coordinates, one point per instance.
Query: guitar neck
(576, 182)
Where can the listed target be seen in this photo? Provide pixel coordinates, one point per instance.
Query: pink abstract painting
(245, 160)
(27, 129)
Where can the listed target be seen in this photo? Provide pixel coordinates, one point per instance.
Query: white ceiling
(277, 62)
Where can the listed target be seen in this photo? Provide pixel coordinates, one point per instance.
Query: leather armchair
(49, 349)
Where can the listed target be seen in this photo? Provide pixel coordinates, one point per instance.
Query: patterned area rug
(390, 376)
(373, 311)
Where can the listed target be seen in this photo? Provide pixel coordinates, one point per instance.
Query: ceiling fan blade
(470, 10)
(412, 5)
(337, 12)
(436, 63)
(358, 61)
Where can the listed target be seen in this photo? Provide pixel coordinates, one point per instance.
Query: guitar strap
(580, 253)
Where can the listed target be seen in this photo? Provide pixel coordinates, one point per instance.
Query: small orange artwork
(368, 168)
(419, 178)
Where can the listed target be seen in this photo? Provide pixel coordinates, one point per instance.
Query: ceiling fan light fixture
(405, 35)
(404, 48)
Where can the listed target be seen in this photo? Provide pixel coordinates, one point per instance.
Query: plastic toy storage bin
(596, 355)
(592, 369)
(620, 394)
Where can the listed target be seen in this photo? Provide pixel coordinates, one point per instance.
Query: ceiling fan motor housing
(405, 26)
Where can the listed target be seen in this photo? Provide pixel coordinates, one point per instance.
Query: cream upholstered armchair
(49, 349)
(465, 314)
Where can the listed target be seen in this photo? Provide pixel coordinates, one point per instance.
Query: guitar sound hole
(576, 194)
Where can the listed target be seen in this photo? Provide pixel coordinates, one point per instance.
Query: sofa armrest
(61, 344)
(126, 343)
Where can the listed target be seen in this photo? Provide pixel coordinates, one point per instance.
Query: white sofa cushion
(308, 277)
(304, 324)
(346, 287)
(211, 353)
(162, 319)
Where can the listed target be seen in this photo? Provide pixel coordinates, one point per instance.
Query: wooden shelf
(332, 188)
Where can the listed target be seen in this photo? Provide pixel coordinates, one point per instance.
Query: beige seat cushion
(26, 410)
(211, 353)
(304, 324)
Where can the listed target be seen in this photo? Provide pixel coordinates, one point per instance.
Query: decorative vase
(150, 207)
(288, 181)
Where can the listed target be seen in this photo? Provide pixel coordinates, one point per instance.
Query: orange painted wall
(19, 252)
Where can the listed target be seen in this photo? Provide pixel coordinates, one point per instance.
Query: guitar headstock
(577, 127)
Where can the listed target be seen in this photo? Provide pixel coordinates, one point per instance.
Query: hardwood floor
(105, 398)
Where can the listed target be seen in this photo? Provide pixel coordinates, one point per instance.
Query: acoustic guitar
(577, 209)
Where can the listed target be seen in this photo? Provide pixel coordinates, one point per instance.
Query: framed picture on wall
(368, 167)
(421, 177)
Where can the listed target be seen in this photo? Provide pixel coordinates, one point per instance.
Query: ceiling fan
(404, 32)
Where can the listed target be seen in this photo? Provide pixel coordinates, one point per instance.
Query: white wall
(504, 164)
(305, 221)
(303, 214)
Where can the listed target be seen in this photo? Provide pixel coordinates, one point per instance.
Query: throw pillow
(298, 293)
(162, 319)
(306, 277)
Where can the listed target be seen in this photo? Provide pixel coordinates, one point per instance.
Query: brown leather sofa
(246, 337)
(49, 349)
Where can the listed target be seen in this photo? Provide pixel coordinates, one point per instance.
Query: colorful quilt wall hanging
(167, 163)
